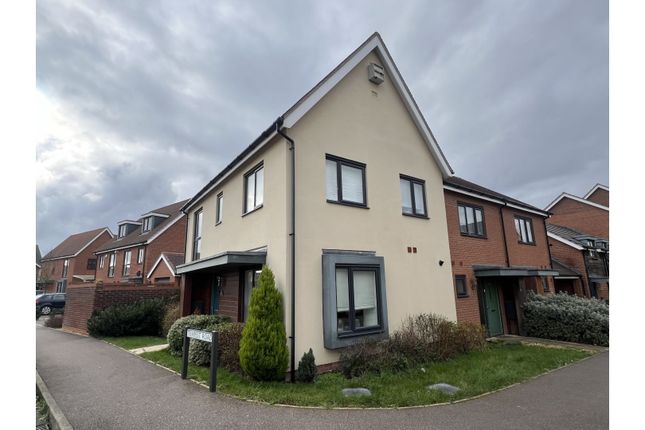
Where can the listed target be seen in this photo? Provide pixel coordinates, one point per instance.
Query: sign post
(211, 337)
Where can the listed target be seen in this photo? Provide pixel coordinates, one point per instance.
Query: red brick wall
(600, 196)
(570, 257)
(581, 217)
(78, 264)
(467, 251)
(82, 300)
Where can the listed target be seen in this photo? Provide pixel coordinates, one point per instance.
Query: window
(345, 181)
(471, 220)
(461, 286)
(354, 300)
(524, 228)
(545, 284)
(112, 265)
(197, 235)
(126, 262)
(147, 224)
(220, 208)
(65, 267)
(140, 255)
(102, 261)
(413, 196)
(122, 230)
(162, 280)
(91, 263)
(254, 188)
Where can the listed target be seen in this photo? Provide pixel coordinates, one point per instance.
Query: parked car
(49, 303)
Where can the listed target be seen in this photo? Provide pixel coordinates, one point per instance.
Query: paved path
(99, 386)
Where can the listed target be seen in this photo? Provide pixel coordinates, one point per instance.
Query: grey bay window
(219, 208)
(254, 188)
(524, 228)
(197, 235)
(413, 196)
(345, 181)
(354, 299)
(471, 220)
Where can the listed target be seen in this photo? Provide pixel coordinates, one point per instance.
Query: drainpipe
(292, 148)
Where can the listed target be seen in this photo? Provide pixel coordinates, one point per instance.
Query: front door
(493, 314)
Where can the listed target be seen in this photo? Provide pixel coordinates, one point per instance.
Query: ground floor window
(356, 298)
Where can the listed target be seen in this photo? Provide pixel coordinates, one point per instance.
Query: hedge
(141, 318)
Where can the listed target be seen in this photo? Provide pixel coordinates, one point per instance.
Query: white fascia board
(166, 227)
(291, 118)
(90, 242)
(577, 199)
(593, 190)
(565, 241)
(232, 170)
(128, 221)
(145, 215)
(154, 266)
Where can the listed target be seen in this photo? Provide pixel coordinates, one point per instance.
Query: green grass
(475, 373)
(133, 342)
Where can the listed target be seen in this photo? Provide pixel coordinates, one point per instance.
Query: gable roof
(596, 187)
(75, 243)
(171, 259)
(571, 237)
(460, 185)
(137, 238)
(575, 198)
(289, 118)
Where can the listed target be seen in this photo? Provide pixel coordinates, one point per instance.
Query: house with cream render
(342, 197)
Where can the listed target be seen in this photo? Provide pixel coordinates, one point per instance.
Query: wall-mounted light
(440, 262)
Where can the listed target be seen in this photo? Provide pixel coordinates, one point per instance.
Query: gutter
(292, 148)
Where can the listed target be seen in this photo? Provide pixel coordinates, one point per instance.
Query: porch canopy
(224, 260)
(497, 271)
(564, 271)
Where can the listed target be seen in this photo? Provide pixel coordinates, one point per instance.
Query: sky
(141, 106)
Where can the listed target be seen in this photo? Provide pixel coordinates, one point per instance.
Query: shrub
(171, 315)
(229, 346)
(307, 367)
(368, 356)
(567, 318)
(263, 347)
(54, 321)
(133, 319)
(200, 322)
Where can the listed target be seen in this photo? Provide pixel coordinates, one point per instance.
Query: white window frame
(127, 262)
(140, 255)
(112, 265)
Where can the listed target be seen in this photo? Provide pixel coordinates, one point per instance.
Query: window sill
(415, 215)
(474, 236)
(526, 243)
(366, 332)
(462, 296)
(355, 205)
(257, 208)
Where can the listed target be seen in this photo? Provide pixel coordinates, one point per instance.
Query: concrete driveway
(102, 387)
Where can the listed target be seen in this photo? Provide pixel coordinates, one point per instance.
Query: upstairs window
(197, 235)
(140, 255)
(127, 257)
(220, 208)
(460, 286)
(122, 230)
(112, 265)
(524, 228)
(345, 181)
(91, 263)
(102, 261)
(65, 267)
(254, 188)
(471, 220)
(413, 196)
(147, 224)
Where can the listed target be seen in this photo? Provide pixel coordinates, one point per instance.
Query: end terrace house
(133, 255)
(342, 197)
(72, 260)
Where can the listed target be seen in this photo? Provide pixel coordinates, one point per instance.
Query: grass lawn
(496, 367)
(132, 342)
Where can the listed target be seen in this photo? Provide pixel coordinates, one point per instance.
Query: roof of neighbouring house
(74, 244)
(563, 269)
(38, 256)
(172, 260)
(465, 185)
(306, 102)
(572, 235)
(576, 199)
(138, 238)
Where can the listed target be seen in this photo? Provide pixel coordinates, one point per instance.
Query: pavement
(99, 386)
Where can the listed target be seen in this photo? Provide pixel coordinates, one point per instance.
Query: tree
(263, 347)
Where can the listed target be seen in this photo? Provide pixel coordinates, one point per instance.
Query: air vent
(375, 73)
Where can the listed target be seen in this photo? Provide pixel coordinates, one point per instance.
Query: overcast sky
(142, 103)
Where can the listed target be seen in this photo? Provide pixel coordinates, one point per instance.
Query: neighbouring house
(342, 197)
(164, 270)
(38, 266)
(589, 213)
(72, 261)
(584, 259)
(499, 252)
(130, 257)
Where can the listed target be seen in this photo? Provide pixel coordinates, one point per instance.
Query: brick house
(582, 260)
(72, 260)
(499, 252)
(589, 214)
(131, 255)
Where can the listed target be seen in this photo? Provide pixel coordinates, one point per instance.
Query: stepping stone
(352, 392)
(444, 388)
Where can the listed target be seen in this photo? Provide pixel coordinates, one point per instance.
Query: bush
(567, 318)
(134, 319)
(54, 321)
(229, 346)
(200, 322)
(263, 347)
(371, 356)
(171, 315)
(307, 367)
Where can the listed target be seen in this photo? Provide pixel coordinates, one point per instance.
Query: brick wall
(570, 257)
(82, 300)
(600, 196)
(581, 217)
